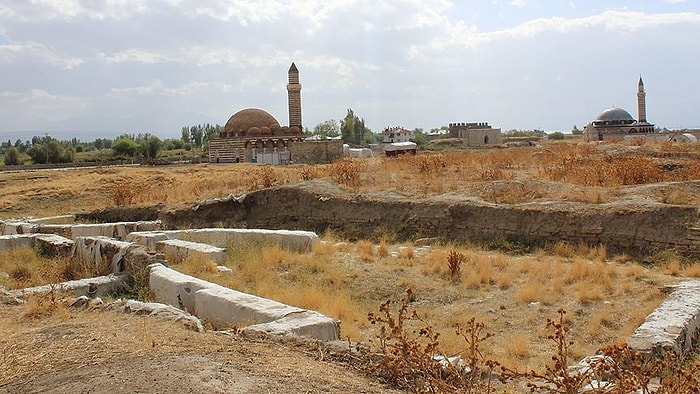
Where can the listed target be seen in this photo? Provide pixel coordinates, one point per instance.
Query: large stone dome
(615, 114)
(248, 118)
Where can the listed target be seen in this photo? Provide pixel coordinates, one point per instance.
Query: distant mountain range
(163, 125)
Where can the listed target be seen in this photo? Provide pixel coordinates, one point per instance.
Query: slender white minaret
(294, 97)
(641, 102)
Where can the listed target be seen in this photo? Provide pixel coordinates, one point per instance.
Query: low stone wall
(674, 325)
(112, 256)
(14, 241)
(93, 287)
(46, 244)
(300, 241)
(117, 230)
(225, 307)
(316, 152)
(177, 250)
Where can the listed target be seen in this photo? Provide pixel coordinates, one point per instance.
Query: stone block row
(47, 244)
(177, 250)
(294, 240)
(674, 325)
(92, 287)
(117, 230)
(225, 307)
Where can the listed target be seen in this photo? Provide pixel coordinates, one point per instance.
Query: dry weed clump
(365, 250)
(407, 353)
(680, 196)
(52, 303)
(454, 263)
(429, 164)
(406, 252)
(348, 171)
(692, 270)
(126, 191)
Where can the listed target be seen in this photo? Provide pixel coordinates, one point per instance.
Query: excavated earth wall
(630, 227)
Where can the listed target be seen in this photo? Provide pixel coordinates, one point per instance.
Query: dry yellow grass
(366, 250)
(558, 171)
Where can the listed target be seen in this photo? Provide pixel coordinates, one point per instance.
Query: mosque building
(254, 135)
(615, 124)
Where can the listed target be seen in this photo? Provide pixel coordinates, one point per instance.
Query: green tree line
(142, 146)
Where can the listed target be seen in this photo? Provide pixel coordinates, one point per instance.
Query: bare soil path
(111, 352)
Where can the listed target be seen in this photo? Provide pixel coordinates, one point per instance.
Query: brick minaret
(294, 97)
(641, 102)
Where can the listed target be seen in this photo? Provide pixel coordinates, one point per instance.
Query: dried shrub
(383, 249)
(125, 191)
(430, 164)
(49, 304)
(267, 177)
(407, 252)
(347, 171)
(454, 263)
(407, 353)
(308, 173)
(20, 274)
(366, 250)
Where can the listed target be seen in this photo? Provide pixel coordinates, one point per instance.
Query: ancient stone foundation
(674, 325)
(226, 308)
(128, 250)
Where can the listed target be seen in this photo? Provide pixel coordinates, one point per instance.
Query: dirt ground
(111, 352)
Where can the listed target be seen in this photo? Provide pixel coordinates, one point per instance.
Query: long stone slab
(177, 250)
(53, 245)
(117, 230)
(294, 240)
(174, 288)
(59, 219)
(674, 325)
(304, 323)
(12, 241)
(11, 227)
(47, 244)
(225, 307)
(93, 287)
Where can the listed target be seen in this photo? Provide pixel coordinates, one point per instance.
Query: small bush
(407, 353)
(454, 263)
(347, 171)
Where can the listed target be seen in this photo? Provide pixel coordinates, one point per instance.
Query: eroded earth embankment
(318, 205)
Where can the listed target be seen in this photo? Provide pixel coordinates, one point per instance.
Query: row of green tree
(45, 149)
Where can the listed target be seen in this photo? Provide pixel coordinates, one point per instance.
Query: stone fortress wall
(475, 134)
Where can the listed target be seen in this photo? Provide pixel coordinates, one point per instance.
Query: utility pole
(47, 147)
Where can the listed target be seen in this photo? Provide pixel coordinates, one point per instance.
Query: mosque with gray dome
(616, 124)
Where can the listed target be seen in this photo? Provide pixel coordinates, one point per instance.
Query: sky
(98, 68)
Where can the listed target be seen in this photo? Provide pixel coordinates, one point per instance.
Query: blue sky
(99, 68)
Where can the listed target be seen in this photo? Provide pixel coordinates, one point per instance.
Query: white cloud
(31, 51)
(624, 21)
(156, 87)
(518, 3)
(40, 103)
(37, 10)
